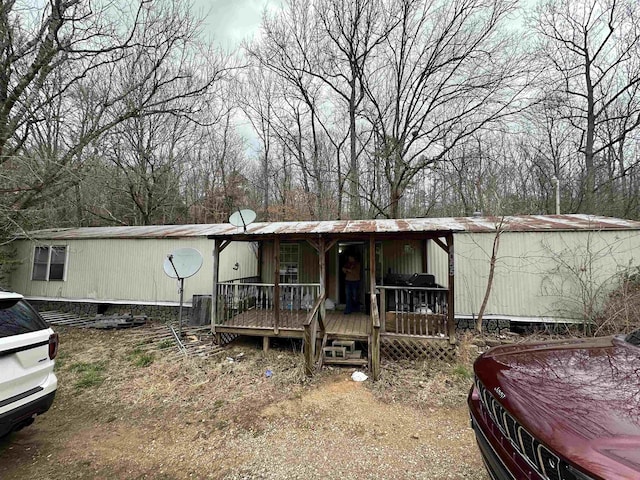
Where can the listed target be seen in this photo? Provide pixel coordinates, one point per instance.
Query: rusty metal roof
(519, 223)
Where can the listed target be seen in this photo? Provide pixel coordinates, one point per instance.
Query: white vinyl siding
(122, 269)
(538, 275)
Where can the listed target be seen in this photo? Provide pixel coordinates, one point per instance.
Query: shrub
(621, 312)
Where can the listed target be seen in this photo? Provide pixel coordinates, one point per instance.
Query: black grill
(512, 426)
(540, 457)
(528, 447)
(549, 463)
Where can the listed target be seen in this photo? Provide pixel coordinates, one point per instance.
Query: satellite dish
(242, 218)
(182, 263)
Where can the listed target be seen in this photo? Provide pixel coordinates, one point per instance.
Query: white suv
(27, 351)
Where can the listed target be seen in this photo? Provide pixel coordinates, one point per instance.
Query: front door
(357, 250)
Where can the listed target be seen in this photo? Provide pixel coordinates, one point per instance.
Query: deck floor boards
(336, 323)
(291, 324)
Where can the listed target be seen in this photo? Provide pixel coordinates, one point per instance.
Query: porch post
(372, 267)
(323, 278)
(451, 319)
(214, 293)
(374, 343)
(276, 285)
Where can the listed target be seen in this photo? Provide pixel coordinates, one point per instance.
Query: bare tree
(256, 97)
(619, 179)
(446, 73)
(327, 42)
(215, 181)
(499, 227)
(65, 81)
(594, 48)
(353, 31)
(548, 151)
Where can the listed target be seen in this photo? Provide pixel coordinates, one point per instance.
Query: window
(289, 254)
(49, 263)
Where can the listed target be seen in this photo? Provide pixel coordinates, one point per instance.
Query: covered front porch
(409, 312)
(414, 310)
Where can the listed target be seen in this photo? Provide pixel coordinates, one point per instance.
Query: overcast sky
(230, 21)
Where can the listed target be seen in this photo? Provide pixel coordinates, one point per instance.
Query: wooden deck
(261, 323)
(409, 342)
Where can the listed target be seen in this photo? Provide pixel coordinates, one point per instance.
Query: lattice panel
(227, 338)
(417, 349)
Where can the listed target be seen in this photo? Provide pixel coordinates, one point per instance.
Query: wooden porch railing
(253, 303)
(414, 310)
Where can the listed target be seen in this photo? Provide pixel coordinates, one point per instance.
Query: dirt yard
(122, 413)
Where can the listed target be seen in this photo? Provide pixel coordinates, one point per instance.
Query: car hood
(580, 397)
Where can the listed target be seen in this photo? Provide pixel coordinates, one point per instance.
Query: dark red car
(562, 410)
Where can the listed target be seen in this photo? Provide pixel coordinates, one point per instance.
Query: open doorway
(357, 251)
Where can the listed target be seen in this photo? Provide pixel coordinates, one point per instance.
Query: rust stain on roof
(518, 223)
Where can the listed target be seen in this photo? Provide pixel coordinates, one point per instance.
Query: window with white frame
(289, 258)
(50, 263)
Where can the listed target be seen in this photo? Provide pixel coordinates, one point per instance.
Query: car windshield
(17, 318)
(633, 338)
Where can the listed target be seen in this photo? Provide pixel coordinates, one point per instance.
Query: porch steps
(342, 352)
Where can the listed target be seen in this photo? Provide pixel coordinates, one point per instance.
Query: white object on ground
(358, 377)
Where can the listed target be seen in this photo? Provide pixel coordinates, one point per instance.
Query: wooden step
(346, 361)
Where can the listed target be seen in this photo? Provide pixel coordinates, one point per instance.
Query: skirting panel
(226, 338)
(411, 348)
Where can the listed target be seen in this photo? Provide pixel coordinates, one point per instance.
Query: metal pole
(214, 289)
(180, 309)
(181, 290)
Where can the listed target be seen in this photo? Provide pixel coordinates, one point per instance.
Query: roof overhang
(342, 229)
(423, 227)
(345, 229)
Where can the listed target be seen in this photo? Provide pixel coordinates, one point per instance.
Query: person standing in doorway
(352, 284)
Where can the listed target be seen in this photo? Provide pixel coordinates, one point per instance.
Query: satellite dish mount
(182, 263)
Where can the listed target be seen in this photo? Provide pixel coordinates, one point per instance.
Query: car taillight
(53, 345)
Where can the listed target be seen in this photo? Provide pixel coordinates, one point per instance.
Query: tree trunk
(79, 207)
(492, 269)
(394, 200)
(340, 183)
(354, 181)
(590, 179)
